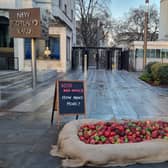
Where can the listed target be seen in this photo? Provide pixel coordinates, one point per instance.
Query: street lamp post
(145, 32)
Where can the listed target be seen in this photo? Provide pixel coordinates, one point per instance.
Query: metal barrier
(9, 63)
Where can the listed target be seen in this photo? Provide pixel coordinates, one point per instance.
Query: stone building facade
(60, 19)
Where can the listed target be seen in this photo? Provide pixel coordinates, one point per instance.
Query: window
(27, 48)
(148, 53)
(157, 53)
(152, 53)
(163, 53)
(167, 53)
(60, 4)
(65, 9)
(68, 54)
(54, 46)
(71, 14)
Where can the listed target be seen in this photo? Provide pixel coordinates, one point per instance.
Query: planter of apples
(98, 143)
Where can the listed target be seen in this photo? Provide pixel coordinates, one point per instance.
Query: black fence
(9, 63)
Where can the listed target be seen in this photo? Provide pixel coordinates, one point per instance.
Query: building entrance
(7, 60)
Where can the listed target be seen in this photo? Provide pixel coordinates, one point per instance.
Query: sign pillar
(26, 23)
(34, 71)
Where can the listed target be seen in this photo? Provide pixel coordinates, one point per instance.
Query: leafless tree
(132, 27)
(93, 18)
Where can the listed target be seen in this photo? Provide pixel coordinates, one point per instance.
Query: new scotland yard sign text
(25, 23)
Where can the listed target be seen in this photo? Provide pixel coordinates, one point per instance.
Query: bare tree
(92, 21)
(132, 27)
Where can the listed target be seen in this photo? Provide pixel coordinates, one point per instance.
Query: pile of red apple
(125, 132)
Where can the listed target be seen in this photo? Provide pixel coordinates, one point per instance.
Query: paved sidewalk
(26, 135)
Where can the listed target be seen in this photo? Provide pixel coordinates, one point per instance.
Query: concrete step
(46, 75)
(3, 102)
(22, 84)
(16, 87)
(8, 74)
(12, 94)
(15, 78)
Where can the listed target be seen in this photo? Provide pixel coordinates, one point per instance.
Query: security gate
(97, 57)
(100, 58)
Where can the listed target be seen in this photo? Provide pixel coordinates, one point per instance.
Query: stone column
(19, 53)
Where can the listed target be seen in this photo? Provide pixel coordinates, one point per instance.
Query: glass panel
(54, 46)
(65, 8)
(60, 4)
(71, 14)
(163, 53)
(27, 48)
(139, 53)
(166, 53)
(68, 49)
(157, 53)
(152, 53)
(148, 53)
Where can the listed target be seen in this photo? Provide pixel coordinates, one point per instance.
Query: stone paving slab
(36, 101)
(26, 135)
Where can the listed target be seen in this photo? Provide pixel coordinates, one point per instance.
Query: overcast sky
(119, 7)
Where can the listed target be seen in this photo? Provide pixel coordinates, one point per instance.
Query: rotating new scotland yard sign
(69, 98)
(25, 23)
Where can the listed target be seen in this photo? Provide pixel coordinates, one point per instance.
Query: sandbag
(76, 153)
